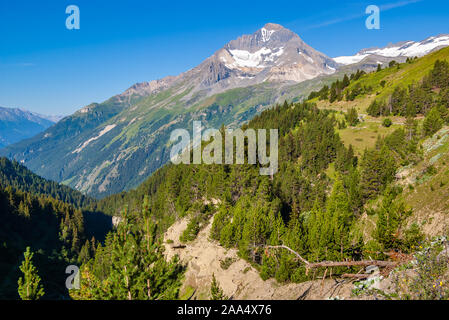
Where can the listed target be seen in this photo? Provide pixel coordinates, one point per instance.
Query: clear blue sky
(48, 69)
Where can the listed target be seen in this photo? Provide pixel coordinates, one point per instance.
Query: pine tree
(85, 252)
(346, 81)
(433, 122)
(378, 169)
(398, 101)
(29, 286)
(374, 109)
(444, 98)
(333, 93)
(324, 93)
(132, 266)
(329, 229)
(411, 128)
(391, 215)
(352, 117)
(216, 293)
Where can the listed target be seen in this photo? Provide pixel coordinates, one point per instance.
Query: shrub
(192, 230)
(430, 170)
(413, 236)
(226, 263)
(429, 280)
(387, 122)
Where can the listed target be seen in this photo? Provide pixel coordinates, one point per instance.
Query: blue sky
(49, 69)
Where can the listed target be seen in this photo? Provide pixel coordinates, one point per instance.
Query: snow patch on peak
(266, 34)
(350, 59)
(246, 59)
(274, 55)
(404, 49)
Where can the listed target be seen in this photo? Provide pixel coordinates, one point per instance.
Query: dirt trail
(240, 280)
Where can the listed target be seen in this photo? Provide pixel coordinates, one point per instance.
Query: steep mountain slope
(326, 203)
(399, 50)
(54, 230)
(384, 82)
(18, 177)
(110, 147)
(47, 217)
(237, 277)
(17, 124)
(47, 152)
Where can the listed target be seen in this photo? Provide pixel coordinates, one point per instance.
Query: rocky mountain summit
(273, 53)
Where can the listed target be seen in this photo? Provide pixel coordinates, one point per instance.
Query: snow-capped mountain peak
(273, 53)
(401, 49)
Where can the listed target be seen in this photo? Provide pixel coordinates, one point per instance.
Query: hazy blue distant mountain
(17, 124)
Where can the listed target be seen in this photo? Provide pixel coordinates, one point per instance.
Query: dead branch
(355, 276)
(179, 246)
(292, 251)
(363, 263)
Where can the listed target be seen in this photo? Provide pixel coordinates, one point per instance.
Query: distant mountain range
(401, 49)
(17, 124)
(113, 146)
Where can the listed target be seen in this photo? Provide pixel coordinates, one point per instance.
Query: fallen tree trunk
(355, 276)
(179, 246)
(362, 263)
(329, 264)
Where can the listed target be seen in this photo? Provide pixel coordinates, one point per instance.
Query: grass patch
(187, 294)
(365, 135)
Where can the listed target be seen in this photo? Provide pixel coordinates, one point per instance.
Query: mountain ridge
(407, 49)
(17, 124)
